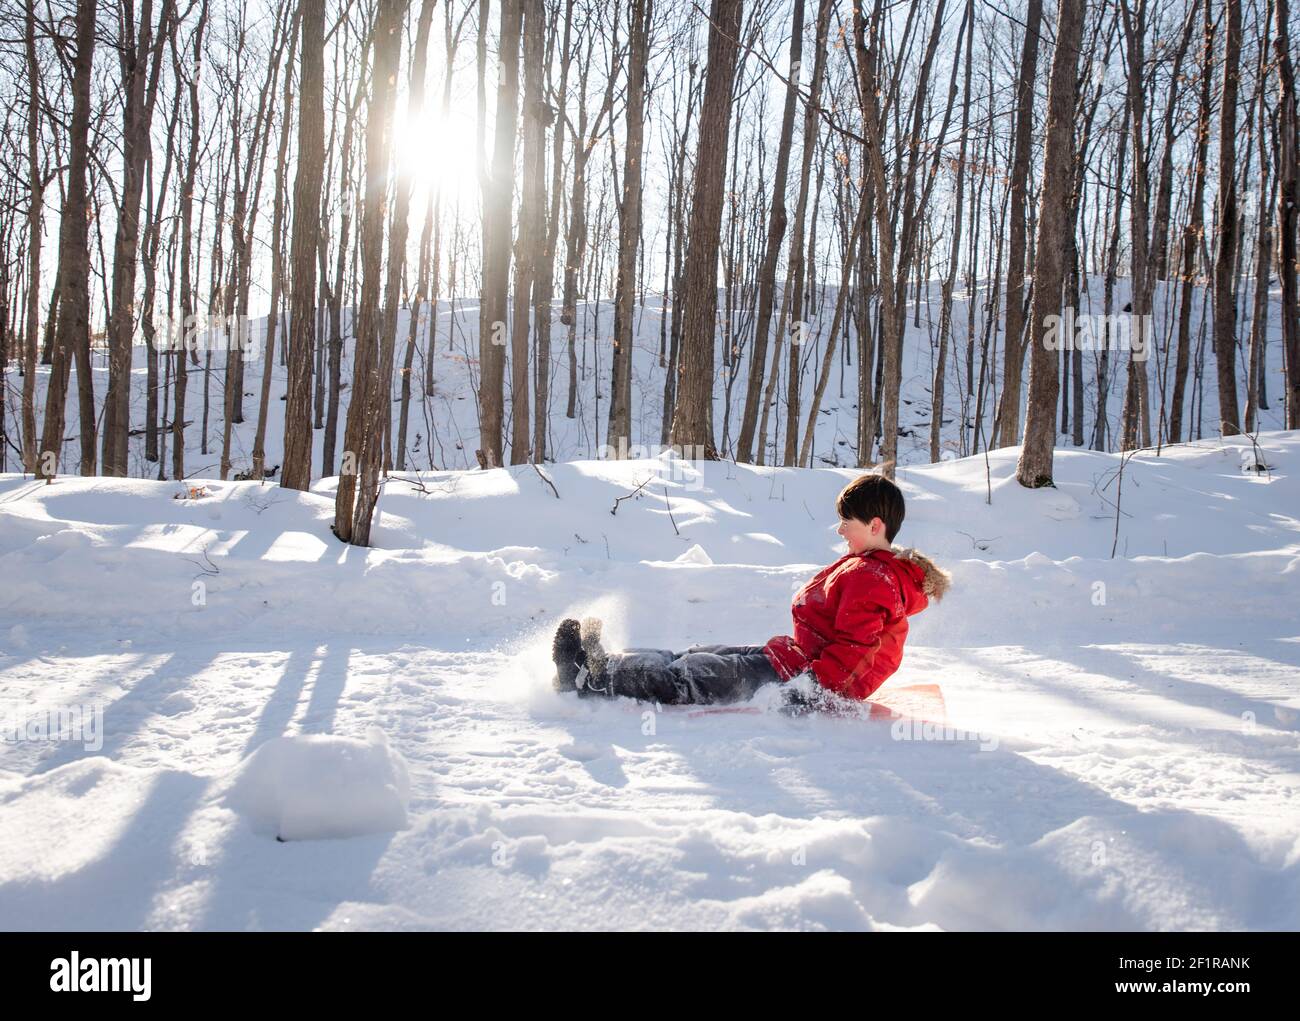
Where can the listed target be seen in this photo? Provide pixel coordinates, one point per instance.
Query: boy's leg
(703, 674)
(644, 674)
(723, 673)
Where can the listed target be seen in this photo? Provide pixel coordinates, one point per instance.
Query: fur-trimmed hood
(934, 581)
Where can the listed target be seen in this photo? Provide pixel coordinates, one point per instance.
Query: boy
(850, 623)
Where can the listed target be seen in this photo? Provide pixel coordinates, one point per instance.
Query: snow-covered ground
(1131, 755)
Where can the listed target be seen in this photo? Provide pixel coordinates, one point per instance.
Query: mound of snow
(314, 787)
(695, 555)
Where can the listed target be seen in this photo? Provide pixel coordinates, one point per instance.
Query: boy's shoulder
(931, 579)
(870, 573)
(890, 568)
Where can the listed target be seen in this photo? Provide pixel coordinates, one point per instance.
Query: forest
(200, 194)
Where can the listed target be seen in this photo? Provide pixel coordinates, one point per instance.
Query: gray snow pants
(700, 675)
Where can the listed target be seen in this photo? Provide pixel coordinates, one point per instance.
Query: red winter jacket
(850, 620)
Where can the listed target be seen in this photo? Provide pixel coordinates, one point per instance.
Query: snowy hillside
(443, 430)
(1128, 755)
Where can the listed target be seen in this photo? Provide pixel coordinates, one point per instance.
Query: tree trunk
(498, 188)
(33, 244)
(1287, 198)
(187, 222)
(890, 320)
(1034, 467)
(772, 243)
(692, 432)
(531, 239)
(1008, 425)
(417, 305)
(1225, 305)
(619, 434)
(73, 337)
(544, 291)
(1138, 399)
(358, 489)
(295, 469)
(139, 91)
(945, 312)
(1193, 233)
(277, 276)
(1259, 292)
(340, 283)
(149, 253)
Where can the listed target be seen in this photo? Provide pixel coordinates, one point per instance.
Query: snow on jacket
(850, 620)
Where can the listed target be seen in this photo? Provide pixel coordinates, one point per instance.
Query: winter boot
(566, 651)
(593, 676)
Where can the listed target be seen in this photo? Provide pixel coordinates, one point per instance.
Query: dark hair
(873, 496)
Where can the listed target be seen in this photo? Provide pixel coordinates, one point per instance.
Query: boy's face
(862, 535)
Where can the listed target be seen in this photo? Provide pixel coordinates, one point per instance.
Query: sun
(437, 152)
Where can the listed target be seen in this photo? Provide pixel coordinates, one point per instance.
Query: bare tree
(397, 236)
(1138, 400)
(1034, 467)
(295, 469)
(1008, 425)
(531, 237)
(37, 178)
(1225, 300)
(1193, 233)
(692, 417)
(187, 219)
(73, 337)
(619, 434)
(795, 260)
(891, 321)
(772, 243)
(498, 187)
(346, 206)
(358, 488)
(1288, 195)
(945, 311)
(141, 62)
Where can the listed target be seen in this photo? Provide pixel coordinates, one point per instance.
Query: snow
(314, 787)
(1132, 758)
(184, 680)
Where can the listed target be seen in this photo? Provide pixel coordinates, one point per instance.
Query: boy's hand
(786, 656)
(797, 700)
